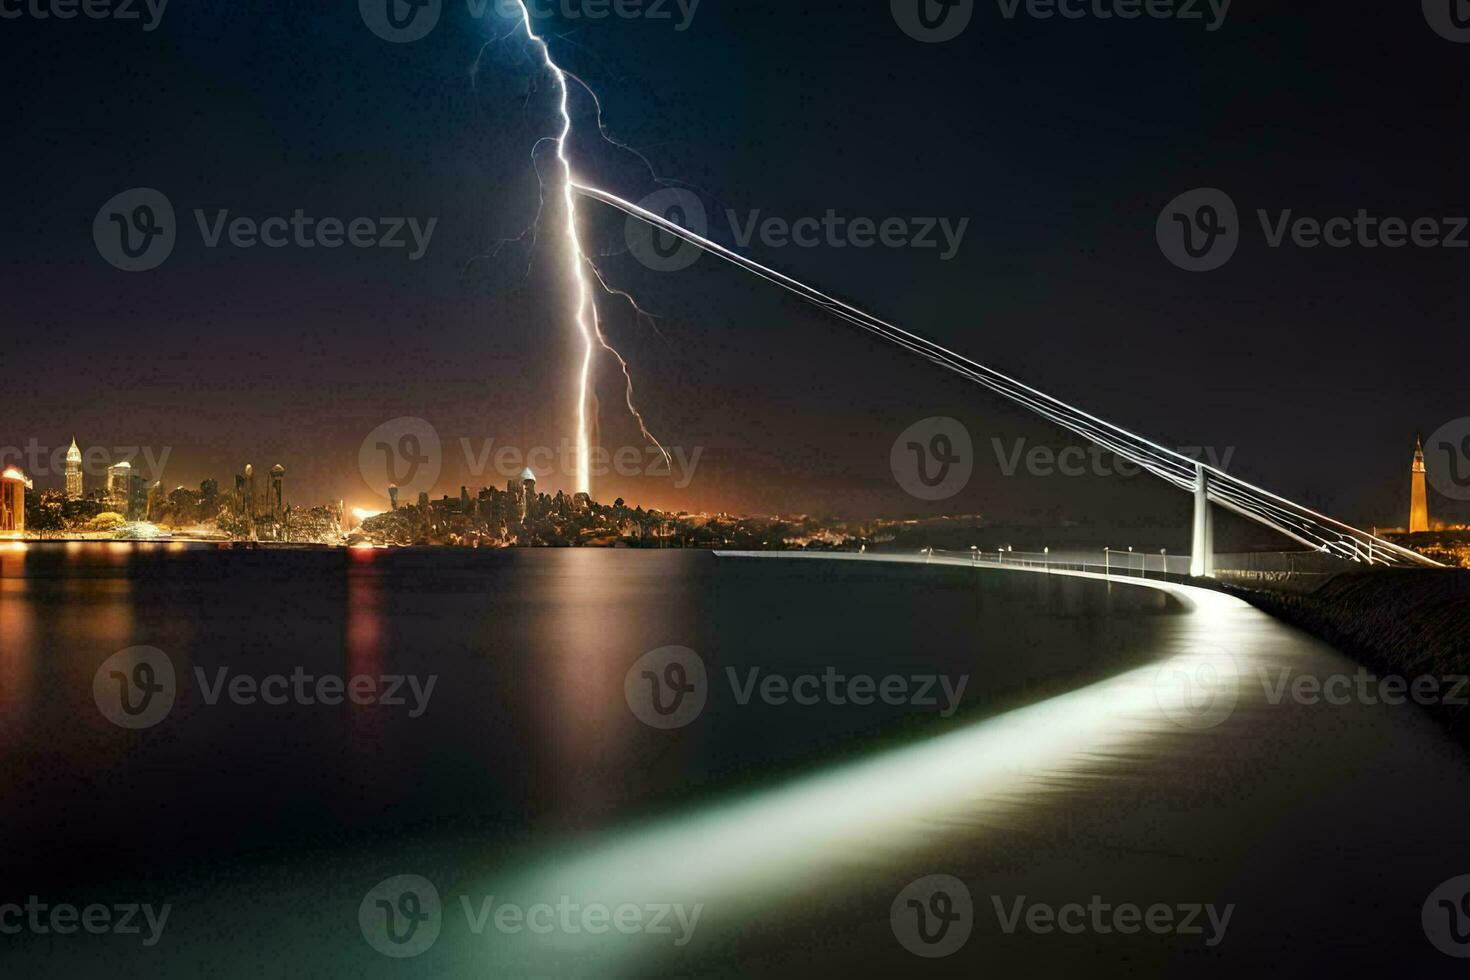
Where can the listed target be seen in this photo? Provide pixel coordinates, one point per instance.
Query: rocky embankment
(1407, 623)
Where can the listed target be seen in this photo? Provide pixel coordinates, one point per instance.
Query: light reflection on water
(1114, 782)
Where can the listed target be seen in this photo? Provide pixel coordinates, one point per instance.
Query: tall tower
(1418, 499)
(73, 472)
(278, 491)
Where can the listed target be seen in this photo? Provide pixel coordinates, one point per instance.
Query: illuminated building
(393, 496)
(73, 472)
(119, 479)
(582, 502)
(137, 498)
(13, 487)
(1418, 499)
(278, 491)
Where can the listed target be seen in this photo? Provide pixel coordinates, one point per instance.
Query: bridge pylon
(1202, 557)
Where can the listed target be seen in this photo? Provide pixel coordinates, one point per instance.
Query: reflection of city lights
(364, 546)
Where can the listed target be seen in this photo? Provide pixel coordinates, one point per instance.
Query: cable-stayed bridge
(1208, 484)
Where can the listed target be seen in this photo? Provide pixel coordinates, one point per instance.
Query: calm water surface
(794, 827)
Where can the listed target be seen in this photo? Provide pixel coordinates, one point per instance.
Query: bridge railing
(1294, 569)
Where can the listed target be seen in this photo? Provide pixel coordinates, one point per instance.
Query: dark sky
(1059, 140)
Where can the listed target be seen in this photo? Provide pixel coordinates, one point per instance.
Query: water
(792, 828)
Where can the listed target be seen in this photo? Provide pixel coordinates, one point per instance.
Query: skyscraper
(73, 472)
(1418, 498)
(278, 491)
(119, 480)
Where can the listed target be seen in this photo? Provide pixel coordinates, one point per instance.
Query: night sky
(1059, 140)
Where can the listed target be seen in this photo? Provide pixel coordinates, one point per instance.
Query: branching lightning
(589, 325)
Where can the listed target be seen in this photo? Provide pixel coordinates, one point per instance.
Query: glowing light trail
(1317, 531)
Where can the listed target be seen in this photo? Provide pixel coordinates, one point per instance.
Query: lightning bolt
(589, 325)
